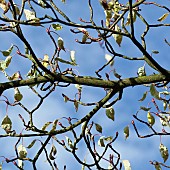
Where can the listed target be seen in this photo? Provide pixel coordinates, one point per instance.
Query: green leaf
(6, 124)
(143, 97)
(145, 108)
(56, 27)
(109, 58)
(110, 113)
(108, 138)
(8, 61)
(163, 17)
(133, 18)
(17, 96)
(98, 128)
(141, 71)
(69, 142)
(45, 126)
(164, 152)
(65, 61)
(126, 132)
(31, 144)
(54, 125)
(155, 52)
(126, 164)
(118, 37)
(154, 92)
(157, 166)
(22, 151)
(76, 105)
(53, 152)
(101, 141)
(151, 119)
(7, 52)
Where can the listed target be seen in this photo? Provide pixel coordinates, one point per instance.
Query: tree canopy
(83, 83)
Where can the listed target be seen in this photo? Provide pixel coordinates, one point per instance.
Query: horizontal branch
(88, 81)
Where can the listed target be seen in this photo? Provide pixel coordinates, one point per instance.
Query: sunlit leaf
(56, 27)
(45, 61)
(79, 87)
(22, 151)
(6, 124)
(126, 132)
(141, 71)
(61, 43)
(118, 37)
(164, 152)
(98, 127)
(7, 52)
(126, 164)
(110, 113)
(46, 125)
(69, 142)
(164, 119)
(109, 59)
(42, 3)
(8, 61)
(76, 105)
(108, 138)
(15, 76)
(17, 96)
(65, 61)
(163, 17)
(101, 141)
(31, 144)
(72, 56)
(53, 152)
(133, 18)
(154, 92)
(157, 166)
(30, 15)
(145, 108)
(151, 119)
(143, 97)
(54, 125)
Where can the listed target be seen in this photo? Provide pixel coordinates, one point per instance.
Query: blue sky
(89, 58)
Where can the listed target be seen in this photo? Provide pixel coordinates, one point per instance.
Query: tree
(68, 70)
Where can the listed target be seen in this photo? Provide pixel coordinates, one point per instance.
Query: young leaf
(54, 125)
(45, 126)
(118, 37)
(76, 105)
(40, 2)
(84, 38)
(157, 166)
(126, 164)
(17, 96)
(45, 61)
(31, 144)
(155, 52)
(101, 141)
(141, 71)
(126, 132)
(79, 87)
(163, 17)
(98, 128)
(164, 152)
(151, 119)
(69, 142)
(65, 61)
(109, 59)
(22, 151)
(8, 61)
(164, 120)
(72, 56)
(110, 113)
(52, 152)
(133, 18)
(61, 43)
(116, 74)
(108, 138)
(154, 92)
(6, 124)
(56, 27)
(30, 15)
(145, 108)
(7, 52)
(143, 97)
